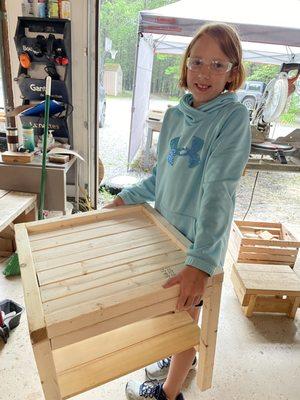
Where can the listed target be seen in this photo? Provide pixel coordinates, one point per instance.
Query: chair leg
(208, 337)
(44, 361)
(295, 304)
(249, 309)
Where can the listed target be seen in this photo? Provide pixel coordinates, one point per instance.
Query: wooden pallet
(94, 298)
(14, 207)
(263, 243)
(266, 288)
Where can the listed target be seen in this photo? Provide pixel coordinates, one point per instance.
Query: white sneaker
(160, 369)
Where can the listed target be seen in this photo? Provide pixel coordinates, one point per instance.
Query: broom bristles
(12, 266)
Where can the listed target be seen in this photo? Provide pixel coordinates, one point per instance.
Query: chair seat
(266, 288)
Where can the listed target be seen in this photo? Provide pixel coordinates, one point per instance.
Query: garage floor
(257, 358)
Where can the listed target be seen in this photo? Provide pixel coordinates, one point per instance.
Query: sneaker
(147, 390)
(160, 369)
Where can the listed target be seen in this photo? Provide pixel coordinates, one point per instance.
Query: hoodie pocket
(186, 224)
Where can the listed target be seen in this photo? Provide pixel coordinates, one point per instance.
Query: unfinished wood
(11, 157)
(281, 259)
(8, 232)
(77, 379)
(267, 286)
(113, 323)
(99, 273)
(208, 337)
(272, 304)
(150, 237)
(102, 345)
(239, 288)
(268, 243)
(250, 307)
(271, 243)
(264, 268)
(270, 283)
(36, 321)
(47, 371)
(75, 220)
(259, 225)
(100, 229)
(105, 289)
(28, 215)
(35, 317)
(109, 275)
(6, 245)
(294, 306)
(100, 263)
(269, 250)
(61, 233)
(120, 236)
(12, 204)
(67, 311)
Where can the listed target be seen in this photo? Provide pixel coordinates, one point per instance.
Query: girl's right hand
(118, 201)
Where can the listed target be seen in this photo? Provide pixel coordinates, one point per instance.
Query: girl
(203, 147)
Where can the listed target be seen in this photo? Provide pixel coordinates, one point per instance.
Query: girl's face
(204, 82)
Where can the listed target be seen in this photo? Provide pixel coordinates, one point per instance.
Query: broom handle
(45, 137)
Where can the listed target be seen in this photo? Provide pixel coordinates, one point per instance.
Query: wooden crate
(262, 243)
(94, 297)
(266, 288)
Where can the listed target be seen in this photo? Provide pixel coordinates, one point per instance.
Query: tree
(119, 22)
(261, 72)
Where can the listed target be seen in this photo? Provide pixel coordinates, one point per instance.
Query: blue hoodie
(201, 156)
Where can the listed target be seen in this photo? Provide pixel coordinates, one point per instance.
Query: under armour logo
(192, 153)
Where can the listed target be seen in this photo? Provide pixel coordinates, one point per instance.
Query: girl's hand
(192, 283)
(118, 201)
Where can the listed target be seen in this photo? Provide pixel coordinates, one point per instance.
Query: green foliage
(105, 196)
(165, 74)
(261, 72)
(290, 116)
(119, 22)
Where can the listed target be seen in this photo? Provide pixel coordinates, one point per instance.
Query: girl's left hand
(192, 283)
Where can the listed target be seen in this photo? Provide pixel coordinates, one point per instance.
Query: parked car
(102, 105)
(251, 93)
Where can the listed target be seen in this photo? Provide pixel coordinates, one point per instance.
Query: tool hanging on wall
(45, 137)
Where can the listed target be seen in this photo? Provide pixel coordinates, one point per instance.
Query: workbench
(27, 177)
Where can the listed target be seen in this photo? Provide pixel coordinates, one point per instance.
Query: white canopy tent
(270, 33)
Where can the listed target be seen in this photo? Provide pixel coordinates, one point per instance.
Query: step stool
(95, 303)
(266, 288)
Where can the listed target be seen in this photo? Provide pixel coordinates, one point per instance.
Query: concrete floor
(256, 359)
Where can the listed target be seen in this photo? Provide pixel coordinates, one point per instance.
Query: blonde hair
(229, 42)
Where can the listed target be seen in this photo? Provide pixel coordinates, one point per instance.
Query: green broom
(12, 266)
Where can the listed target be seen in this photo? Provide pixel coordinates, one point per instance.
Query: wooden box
(94, 297)
(266, 288)
(262, 243)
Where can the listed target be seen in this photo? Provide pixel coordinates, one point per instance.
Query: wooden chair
(96, 308)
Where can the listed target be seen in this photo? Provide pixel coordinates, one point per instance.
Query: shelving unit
(46, 43)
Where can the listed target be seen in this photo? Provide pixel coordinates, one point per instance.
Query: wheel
(249, 103)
